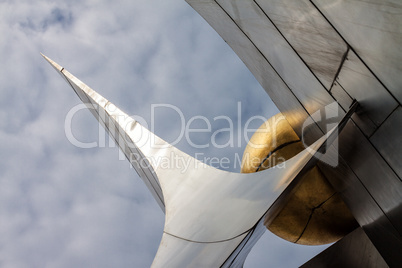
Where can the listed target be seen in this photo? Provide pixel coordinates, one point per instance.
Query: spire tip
(53, 63)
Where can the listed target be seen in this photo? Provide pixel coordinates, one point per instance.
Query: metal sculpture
(212, 217)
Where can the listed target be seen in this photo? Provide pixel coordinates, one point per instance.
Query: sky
(65, 206)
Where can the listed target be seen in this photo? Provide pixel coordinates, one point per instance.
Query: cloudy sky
(64, 206)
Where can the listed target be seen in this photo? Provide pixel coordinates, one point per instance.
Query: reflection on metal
(279, 53)
(388, 141)
(354, 250)
(315, 214)
(361, 85)
(272, 136)
(373, 29)
(274, 40)
(211, 215)
(341, 96)
(310, 35)
(263, 71)
(381, 181)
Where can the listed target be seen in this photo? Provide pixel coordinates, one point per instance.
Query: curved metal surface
(374, 30)
(352, 252)
(309, 34)
(391, 131)
(253, 58)
(177, 252)
(279, 53)
(357, 80)
(116, 123)
(209, 212)
(369, 174)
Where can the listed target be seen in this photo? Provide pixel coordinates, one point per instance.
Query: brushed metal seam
(308, 67)
(351, 48)
(344, 90)
(368, 117)
(209, 242)
(386, 118)
(369, 193)
(322, 131)
(375, 148)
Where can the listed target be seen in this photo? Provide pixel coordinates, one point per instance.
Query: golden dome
(315, 214)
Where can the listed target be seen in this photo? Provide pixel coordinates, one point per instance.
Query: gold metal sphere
(315, 214)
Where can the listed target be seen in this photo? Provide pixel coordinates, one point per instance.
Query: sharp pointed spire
(115, 123)
(210, 214)
(56, 66)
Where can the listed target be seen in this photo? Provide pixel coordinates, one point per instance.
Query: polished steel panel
(364, 123)
(289, 66)
(377, 226)
(349, 252)
(341, 96)
(389, 244)
(360, 117)
(269, 79)
(361, 203)
(360, 84)
(371, 191)
(376, 175)
(374, 30)
(388, 142)
(307, 31)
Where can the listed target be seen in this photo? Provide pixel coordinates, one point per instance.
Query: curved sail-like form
(213, 217)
